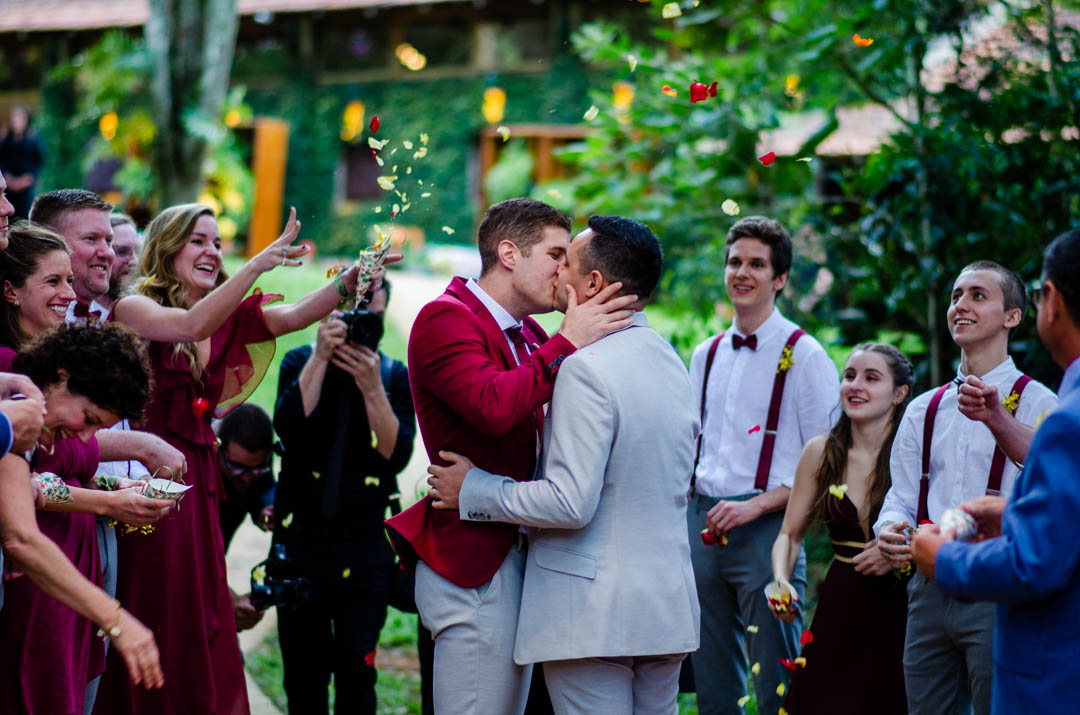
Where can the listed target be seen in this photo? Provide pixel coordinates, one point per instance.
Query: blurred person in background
(22, 157)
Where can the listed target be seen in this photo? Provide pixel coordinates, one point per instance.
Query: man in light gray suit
(609, 604)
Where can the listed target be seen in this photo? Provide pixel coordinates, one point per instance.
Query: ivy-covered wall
(448, 110)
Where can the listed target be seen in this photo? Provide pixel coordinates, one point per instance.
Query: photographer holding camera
(344, 416)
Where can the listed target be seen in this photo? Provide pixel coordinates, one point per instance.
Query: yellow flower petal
(781, 711)
(781, 689)
(425, 194)
(555, 194)
(743, 700)
(838, 490)
(449, 231)
(504, 132)
(407, 144)
(420, 153)
(755, 668)
(730, 207)
(671, 10)
(751, 629)
(258, 575)
(632, 62)
(346, 573)
(287, 521)
(376, 144)
(801, 662)
(386, 183)
(424, 138)
(591, 113)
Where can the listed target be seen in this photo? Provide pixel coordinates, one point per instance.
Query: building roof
(52, 15)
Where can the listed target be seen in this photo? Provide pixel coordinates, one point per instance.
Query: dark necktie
(521, 348)
(749, 341)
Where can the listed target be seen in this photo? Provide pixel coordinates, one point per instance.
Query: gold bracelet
(112, 631)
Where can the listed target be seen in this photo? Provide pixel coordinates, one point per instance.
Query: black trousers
(338, 631)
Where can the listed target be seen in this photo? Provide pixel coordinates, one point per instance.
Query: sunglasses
(240, 470)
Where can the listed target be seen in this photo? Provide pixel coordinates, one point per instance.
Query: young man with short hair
(980, 427)
(764, 388)
(481, 372)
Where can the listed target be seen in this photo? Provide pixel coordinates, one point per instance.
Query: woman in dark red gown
(91, 377)
(174, 579)
(852, 658)
(48, 652)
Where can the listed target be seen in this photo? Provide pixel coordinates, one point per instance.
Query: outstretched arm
(153, 321)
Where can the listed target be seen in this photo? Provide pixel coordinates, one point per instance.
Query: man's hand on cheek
(446, 481)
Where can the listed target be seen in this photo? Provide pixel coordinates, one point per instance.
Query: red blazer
(473, 398)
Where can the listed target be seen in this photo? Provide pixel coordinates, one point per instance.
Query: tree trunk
(190, 43)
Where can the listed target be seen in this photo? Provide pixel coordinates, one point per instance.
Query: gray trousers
(948, 652)
(106, 538)
(474, 631)
(730, 585)
(647, 685)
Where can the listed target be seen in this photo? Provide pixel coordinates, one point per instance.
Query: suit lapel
(497, 337)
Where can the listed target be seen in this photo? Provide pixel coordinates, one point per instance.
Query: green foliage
(447, 109)
(982, 166)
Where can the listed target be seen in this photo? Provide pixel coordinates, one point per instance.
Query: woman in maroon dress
(91, 377)
(852, 658)
(175, 578)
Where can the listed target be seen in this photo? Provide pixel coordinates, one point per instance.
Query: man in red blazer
(481, 371)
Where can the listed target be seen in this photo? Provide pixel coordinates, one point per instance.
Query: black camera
(275, 582)
(365, 328)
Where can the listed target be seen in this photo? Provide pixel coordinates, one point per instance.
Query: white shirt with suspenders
(963, 452)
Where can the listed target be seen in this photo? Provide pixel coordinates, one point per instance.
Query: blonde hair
(163, 239)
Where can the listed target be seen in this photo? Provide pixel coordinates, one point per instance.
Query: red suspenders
(997, 466)
(768, 442)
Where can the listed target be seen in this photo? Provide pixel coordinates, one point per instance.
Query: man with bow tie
(764, 389)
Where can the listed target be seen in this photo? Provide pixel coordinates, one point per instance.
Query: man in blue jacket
(1028, 556)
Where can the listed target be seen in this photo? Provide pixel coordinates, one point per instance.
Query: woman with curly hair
(841, 480)
(91, 377)
(175, 578)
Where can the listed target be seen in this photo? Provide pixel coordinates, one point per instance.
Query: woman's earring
(15, 303)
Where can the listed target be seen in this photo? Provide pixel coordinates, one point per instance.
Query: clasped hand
(446, 481)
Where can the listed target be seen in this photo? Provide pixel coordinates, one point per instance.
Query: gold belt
(846, 559)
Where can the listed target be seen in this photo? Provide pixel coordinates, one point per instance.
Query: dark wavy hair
(27, 245)
(838, 442)
(107, 364)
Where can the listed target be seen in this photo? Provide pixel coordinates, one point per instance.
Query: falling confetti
(806, 637)
(379, 161)
(787, 663)
(407, 145)
(671, 10)
(781, 711)
(425, 194)
(346, 573)
(555, 194)
(502, 131)
(862, 41)
(376, 144)
(374, 124)
(755, 668)
(781, 689)
(200, 406)
(743, 700)
(449, 231)
(420, 153)
(424, 138)
(767, 159)
(287, 521)
(632, 61)
(591, 113)
(838, 490)
(386, 183)
(666, 89)
(805, 159)
(751, 629)
(731, 208)
(801, 662)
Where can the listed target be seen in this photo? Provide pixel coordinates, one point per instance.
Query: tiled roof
(45, 15)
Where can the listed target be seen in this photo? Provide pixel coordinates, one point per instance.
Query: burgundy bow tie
(82, 311)
(749, 341)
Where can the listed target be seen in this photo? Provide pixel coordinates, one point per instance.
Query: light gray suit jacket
(608, 570)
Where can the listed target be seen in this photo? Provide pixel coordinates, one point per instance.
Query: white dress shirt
(737, 406)
(501, 315)
(961, 449)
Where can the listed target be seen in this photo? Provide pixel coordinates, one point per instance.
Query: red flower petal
(707, 538)
(200, 406)
(374, 124)
(807, 637)
(755, 428)
(374, 155)
(787, 663)
(767, 159)
(712, 89)
(369, 659)
(698, 92)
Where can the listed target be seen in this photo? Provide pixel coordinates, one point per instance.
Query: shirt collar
(1071, 379)
(999, 374)
(766, 329)
(502, 317)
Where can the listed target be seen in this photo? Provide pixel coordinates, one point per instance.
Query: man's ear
(597, 283)
(1053, 303)
(1013, 318)
(779, 282)
(507, 252)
